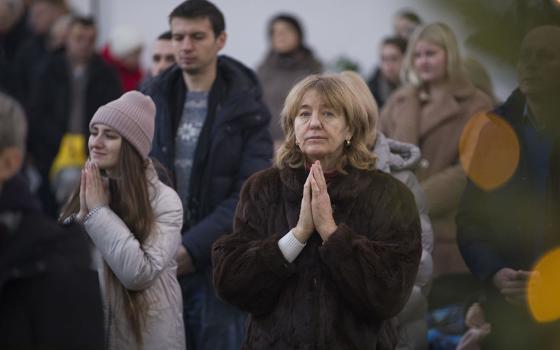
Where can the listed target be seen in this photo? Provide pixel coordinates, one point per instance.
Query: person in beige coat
(134, 222)
(430, 111)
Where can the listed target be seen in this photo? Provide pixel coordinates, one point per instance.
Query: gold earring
(347, 143)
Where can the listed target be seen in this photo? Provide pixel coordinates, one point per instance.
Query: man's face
(163, 56)
(43, 15)
(391, 60)
(80, 44)
(195, 45)
(538, 66)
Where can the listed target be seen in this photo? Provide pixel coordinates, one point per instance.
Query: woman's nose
(315, 120)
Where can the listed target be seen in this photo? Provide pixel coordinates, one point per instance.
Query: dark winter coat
(50, 104)
(278, 73)
(234, 143)
(380, 87)
(49, 295)
(335, 295)
(510, 226)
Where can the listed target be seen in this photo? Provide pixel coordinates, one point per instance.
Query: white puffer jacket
(400, 159)
(149, 268)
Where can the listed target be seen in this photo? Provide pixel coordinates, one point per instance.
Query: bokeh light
(489, 151)
(543, 289)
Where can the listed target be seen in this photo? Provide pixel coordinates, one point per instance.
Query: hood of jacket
(395, 156)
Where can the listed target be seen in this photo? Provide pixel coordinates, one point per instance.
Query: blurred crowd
(484, 176)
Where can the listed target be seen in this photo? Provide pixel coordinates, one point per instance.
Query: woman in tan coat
(430, 111)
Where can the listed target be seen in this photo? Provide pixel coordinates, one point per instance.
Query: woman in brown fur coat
(325, 247)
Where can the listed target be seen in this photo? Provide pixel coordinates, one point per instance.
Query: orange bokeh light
(543, 288)
(489, 151)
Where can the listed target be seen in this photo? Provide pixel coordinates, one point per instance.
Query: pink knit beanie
(133, 117)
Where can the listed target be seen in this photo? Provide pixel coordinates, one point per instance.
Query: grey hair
(13, 124)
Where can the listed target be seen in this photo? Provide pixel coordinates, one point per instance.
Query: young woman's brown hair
(130, 200)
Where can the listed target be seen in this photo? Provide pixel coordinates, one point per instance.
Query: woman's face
(320, 131)
(285, 38)
(430, 62)
(104, 146)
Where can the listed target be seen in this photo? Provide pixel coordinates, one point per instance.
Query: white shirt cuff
(290, 246)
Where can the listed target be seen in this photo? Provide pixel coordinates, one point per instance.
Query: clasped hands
(316, 211)
(94, 189)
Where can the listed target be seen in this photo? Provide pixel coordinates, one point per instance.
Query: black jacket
(49, 295)
(49, 110)
(511, 226)
(234, 143)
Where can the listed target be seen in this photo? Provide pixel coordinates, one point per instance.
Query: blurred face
(320, 131)
(285, 38)
(391, 61)
(195, 45)
(538, 67)
(132, 60)
(104, 146)
(80, 43)
(404, 27)
(163, 56)
(43, 15)
(430, 62)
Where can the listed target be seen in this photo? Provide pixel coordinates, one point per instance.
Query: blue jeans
(210, 324)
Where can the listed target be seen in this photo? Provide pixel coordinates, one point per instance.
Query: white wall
(352, 28)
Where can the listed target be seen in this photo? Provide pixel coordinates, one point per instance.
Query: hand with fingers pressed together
(94, 190)
(316, 212)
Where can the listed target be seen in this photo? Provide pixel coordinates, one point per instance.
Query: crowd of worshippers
(201, 204)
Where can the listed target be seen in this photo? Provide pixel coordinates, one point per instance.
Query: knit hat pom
(133, 117)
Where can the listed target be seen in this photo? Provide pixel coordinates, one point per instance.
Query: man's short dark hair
(85, 21)
(201, 9)
(165, 36)
(399, 42)
(410, 15)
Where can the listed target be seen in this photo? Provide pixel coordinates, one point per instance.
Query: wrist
(92, 212)
(296, 231)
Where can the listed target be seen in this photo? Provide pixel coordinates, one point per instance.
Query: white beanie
(124, 40)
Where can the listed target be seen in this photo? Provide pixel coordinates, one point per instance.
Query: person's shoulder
(163, 83)
(236, 74)
(264, 183)
(165, 198)
(379, 182)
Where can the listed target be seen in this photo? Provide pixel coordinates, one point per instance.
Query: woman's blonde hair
(438, 34)
(337, 94)
(362, 91)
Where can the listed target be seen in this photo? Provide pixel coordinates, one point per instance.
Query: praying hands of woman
(316, 211)
(94, 191)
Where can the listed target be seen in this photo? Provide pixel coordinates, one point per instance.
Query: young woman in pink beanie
(134, 221)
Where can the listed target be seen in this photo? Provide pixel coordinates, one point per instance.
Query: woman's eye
(328, 114)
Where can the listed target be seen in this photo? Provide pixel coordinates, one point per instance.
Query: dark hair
(201, 9)
(399, 42)
(291, 20)
(85, 21)
(165, 36)
(410, 15)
